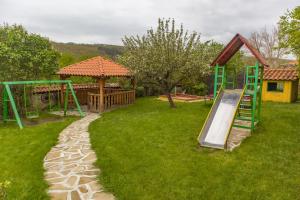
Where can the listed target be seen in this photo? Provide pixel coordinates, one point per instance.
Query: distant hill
(79, 50)
(84, 51)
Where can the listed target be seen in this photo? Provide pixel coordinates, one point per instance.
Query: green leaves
(289, 25)
(25, 56)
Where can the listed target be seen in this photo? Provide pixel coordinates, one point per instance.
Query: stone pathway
(69, 165)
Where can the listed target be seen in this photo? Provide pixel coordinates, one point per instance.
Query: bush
(140, 91)
(200, 89)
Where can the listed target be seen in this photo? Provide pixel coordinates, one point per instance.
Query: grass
(21, 157)
(148, 151)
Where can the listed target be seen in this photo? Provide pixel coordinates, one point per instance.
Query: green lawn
(148, 151)
(21, 157)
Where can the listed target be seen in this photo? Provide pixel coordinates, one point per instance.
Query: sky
(108, 21)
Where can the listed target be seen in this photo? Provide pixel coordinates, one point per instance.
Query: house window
(275, 86)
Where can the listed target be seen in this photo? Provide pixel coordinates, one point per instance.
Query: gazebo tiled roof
(95, 67)
(281, 74)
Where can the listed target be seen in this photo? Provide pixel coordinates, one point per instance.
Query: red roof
(281, 74)
(95, 67)
(233, 46)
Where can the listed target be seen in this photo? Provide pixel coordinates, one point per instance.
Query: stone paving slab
(237, 135)
(69, 165)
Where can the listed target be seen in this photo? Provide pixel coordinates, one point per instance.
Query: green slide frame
(253, 89)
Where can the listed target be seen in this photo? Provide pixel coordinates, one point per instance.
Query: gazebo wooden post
(101, 82)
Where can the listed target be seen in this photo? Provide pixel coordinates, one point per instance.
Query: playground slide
(217, 126)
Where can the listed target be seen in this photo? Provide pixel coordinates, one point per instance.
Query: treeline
(72, 52)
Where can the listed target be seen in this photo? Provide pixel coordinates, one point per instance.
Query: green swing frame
(8, 97)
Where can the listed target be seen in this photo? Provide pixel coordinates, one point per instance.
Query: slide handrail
(215, 100)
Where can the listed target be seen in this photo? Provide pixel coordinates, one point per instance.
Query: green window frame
(275, 86)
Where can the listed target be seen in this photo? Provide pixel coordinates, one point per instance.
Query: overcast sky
(107, 21)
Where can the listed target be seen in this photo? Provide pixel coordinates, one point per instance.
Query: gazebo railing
(110, 100)
(118, 99)
(94, 102)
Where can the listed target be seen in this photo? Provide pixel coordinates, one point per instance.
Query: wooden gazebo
(101, 69)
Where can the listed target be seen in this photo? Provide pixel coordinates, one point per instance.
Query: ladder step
(245, 109)
(251, 76)
(245, 103)
(245, 100)
(250, 92)
(241, 126)
(248, 119)
(245, 113)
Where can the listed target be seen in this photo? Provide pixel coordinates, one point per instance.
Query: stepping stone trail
(69, 165)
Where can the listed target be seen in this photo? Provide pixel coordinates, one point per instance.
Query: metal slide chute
(220, 118)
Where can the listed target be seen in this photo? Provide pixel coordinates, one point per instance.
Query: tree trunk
(170, 99)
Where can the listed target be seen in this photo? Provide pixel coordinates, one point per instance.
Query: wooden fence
(110, 100)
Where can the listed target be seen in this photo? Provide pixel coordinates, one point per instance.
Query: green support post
(217, 83)
(13, 105)
(224, 77)
(75, 99)
(260, 93)
(216, 80)
(256, 71)
(66, 100)
(247, 78)
(5, 105)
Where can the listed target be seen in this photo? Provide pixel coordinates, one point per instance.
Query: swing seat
(32, 115)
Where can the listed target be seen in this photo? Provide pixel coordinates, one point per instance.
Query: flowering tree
(167, 56)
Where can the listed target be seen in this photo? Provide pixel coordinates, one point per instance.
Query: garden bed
(186, 98)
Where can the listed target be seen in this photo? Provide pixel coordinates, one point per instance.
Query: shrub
(200, 89)
(140, 91)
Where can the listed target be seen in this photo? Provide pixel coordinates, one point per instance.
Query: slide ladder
(220, 79)
(248, 113)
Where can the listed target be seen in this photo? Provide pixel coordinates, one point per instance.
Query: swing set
(31, 110)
